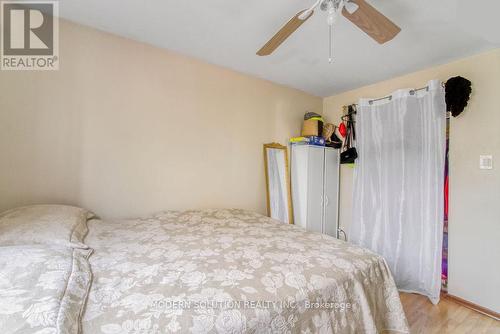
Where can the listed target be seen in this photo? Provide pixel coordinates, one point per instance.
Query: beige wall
(474, 230)
(127, 129)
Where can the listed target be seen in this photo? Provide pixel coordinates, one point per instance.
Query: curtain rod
(412, 92)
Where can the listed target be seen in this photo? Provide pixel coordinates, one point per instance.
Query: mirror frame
(287, 176)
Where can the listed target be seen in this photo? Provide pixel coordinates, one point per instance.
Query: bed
(220, 271)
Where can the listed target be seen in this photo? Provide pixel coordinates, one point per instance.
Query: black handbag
(348, 156)
(349, 153)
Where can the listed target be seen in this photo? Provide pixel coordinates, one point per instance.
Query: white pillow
(44, 224)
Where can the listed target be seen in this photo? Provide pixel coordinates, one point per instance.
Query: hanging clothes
(444, 263)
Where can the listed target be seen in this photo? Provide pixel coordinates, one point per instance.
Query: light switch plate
(486, 162)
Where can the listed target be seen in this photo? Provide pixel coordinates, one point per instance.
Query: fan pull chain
(331, 18)
(330, 33)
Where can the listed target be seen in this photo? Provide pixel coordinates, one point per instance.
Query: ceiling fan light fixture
(332, 15)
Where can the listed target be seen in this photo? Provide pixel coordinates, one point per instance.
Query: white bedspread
(43, 289)
(232, 271)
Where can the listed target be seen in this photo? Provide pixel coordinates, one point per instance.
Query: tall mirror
(279, 200)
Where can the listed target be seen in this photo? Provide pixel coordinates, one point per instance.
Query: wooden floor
(446, 317)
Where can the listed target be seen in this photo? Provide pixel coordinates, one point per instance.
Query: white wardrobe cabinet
(315, 188)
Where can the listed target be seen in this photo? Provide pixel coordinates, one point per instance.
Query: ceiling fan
(359, 12)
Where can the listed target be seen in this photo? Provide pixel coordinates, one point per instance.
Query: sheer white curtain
(398, 185)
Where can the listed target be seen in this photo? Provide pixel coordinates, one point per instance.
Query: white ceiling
(228, 33)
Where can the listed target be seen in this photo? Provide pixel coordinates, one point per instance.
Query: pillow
(44, 224)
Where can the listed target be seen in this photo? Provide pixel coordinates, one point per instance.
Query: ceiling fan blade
(372, 22)
(285, 32)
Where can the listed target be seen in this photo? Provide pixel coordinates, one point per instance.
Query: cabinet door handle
(327, 200)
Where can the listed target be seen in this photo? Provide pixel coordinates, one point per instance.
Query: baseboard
(472, 306)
